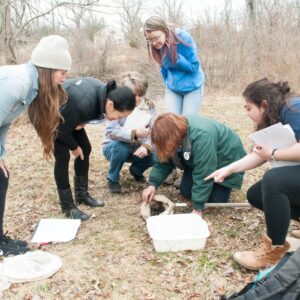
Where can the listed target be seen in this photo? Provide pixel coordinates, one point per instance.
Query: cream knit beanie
(52, 52)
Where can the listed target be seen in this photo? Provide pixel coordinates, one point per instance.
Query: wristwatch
(273, 154)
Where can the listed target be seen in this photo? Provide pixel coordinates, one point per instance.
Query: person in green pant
(198, 145)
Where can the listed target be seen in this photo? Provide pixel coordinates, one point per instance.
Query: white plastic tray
(177, 232)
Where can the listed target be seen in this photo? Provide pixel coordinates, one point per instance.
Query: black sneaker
(11, 249)
(138, 178)
(114, 187)
(8, 240)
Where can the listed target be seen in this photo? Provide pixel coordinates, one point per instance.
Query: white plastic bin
(177, 232)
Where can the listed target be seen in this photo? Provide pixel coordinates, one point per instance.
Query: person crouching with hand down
(196, 145)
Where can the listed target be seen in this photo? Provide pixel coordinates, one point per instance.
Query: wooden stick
(230, 204)
(222, 205)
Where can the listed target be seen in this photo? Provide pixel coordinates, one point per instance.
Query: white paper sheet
(137, 119)
(276, 136)
(56, 230)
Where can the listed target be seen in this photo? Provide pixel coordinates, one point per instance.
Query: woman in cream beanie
(36, 86)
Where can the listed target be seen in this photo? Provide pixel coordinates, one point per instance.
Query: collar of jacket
(101, 94)
(186, 150)
(186, 147)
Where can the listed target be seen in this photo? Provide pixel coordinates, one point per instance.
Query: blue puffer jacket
(18, 88)
(186, 75)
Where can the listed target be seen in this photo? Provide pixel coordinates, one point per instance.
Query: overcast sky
(193, 9)
(197, 7)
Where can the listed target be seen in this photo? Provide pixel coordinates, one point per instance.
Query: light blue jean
(184, 103)
(120, 152)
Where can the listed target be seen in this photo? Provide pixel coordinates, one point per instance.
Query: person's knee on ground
(185, 193)
(219, 194)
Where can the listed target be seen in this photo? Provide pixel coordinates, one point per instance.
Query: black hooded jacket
(86, 102)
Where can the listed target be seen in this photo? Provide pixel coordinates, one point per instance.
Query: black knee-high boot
(68, 207)
(81, 192)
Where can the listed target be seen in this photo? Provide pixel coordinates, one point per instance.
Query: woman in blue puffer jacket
(176, 53)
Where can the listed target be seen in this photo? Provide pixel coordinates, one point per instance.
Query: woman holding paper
(277, 193)
(128, 139)
(89, 101)
(35, 86)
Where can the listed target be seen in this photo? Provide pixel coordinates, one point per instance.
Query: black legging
(278, 195)
(62, 159)
(3, 190)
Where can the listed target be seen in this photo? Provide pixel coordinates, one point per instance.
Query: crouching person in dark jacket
(88, 100)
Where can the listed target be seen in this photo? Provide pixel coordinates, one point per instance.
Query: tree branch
(62, 4)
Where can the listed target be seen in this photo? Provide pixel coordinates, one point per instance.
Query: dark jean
(62, 159)
(117, 153)
(219, 194)
(278, 196)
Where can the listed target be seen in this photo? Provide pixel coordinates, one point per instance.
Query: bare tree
(227, 13)
(171, 11)
(6, 32)
(297, 4)
(129, 12)
(251, 32)
(17, 16)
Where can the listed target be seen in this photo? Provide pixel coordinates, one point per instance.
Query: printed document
(276, 136)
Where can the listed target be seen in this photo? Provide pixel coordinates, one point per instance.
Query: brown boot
(264, 256)
(296, 233)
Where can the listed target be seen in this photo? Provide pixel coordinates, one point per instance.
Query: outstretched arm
(248, 162)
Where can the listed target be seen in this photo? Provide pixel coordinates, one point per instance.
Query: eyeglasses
(154, 39)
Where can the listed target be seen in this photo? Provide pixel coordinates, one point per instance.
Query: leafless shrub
(225, 51)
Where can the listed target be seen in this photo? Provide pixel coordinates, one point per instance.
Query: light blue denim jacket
(18, 88)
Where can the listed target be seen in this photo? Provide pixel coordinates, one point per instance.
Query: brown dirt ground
(113, 256)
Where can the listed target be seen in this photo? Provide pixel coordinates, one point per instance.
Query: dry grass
(112, 256)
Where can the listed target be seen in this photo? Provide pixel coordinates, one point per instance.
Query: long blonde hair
(43, 112)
